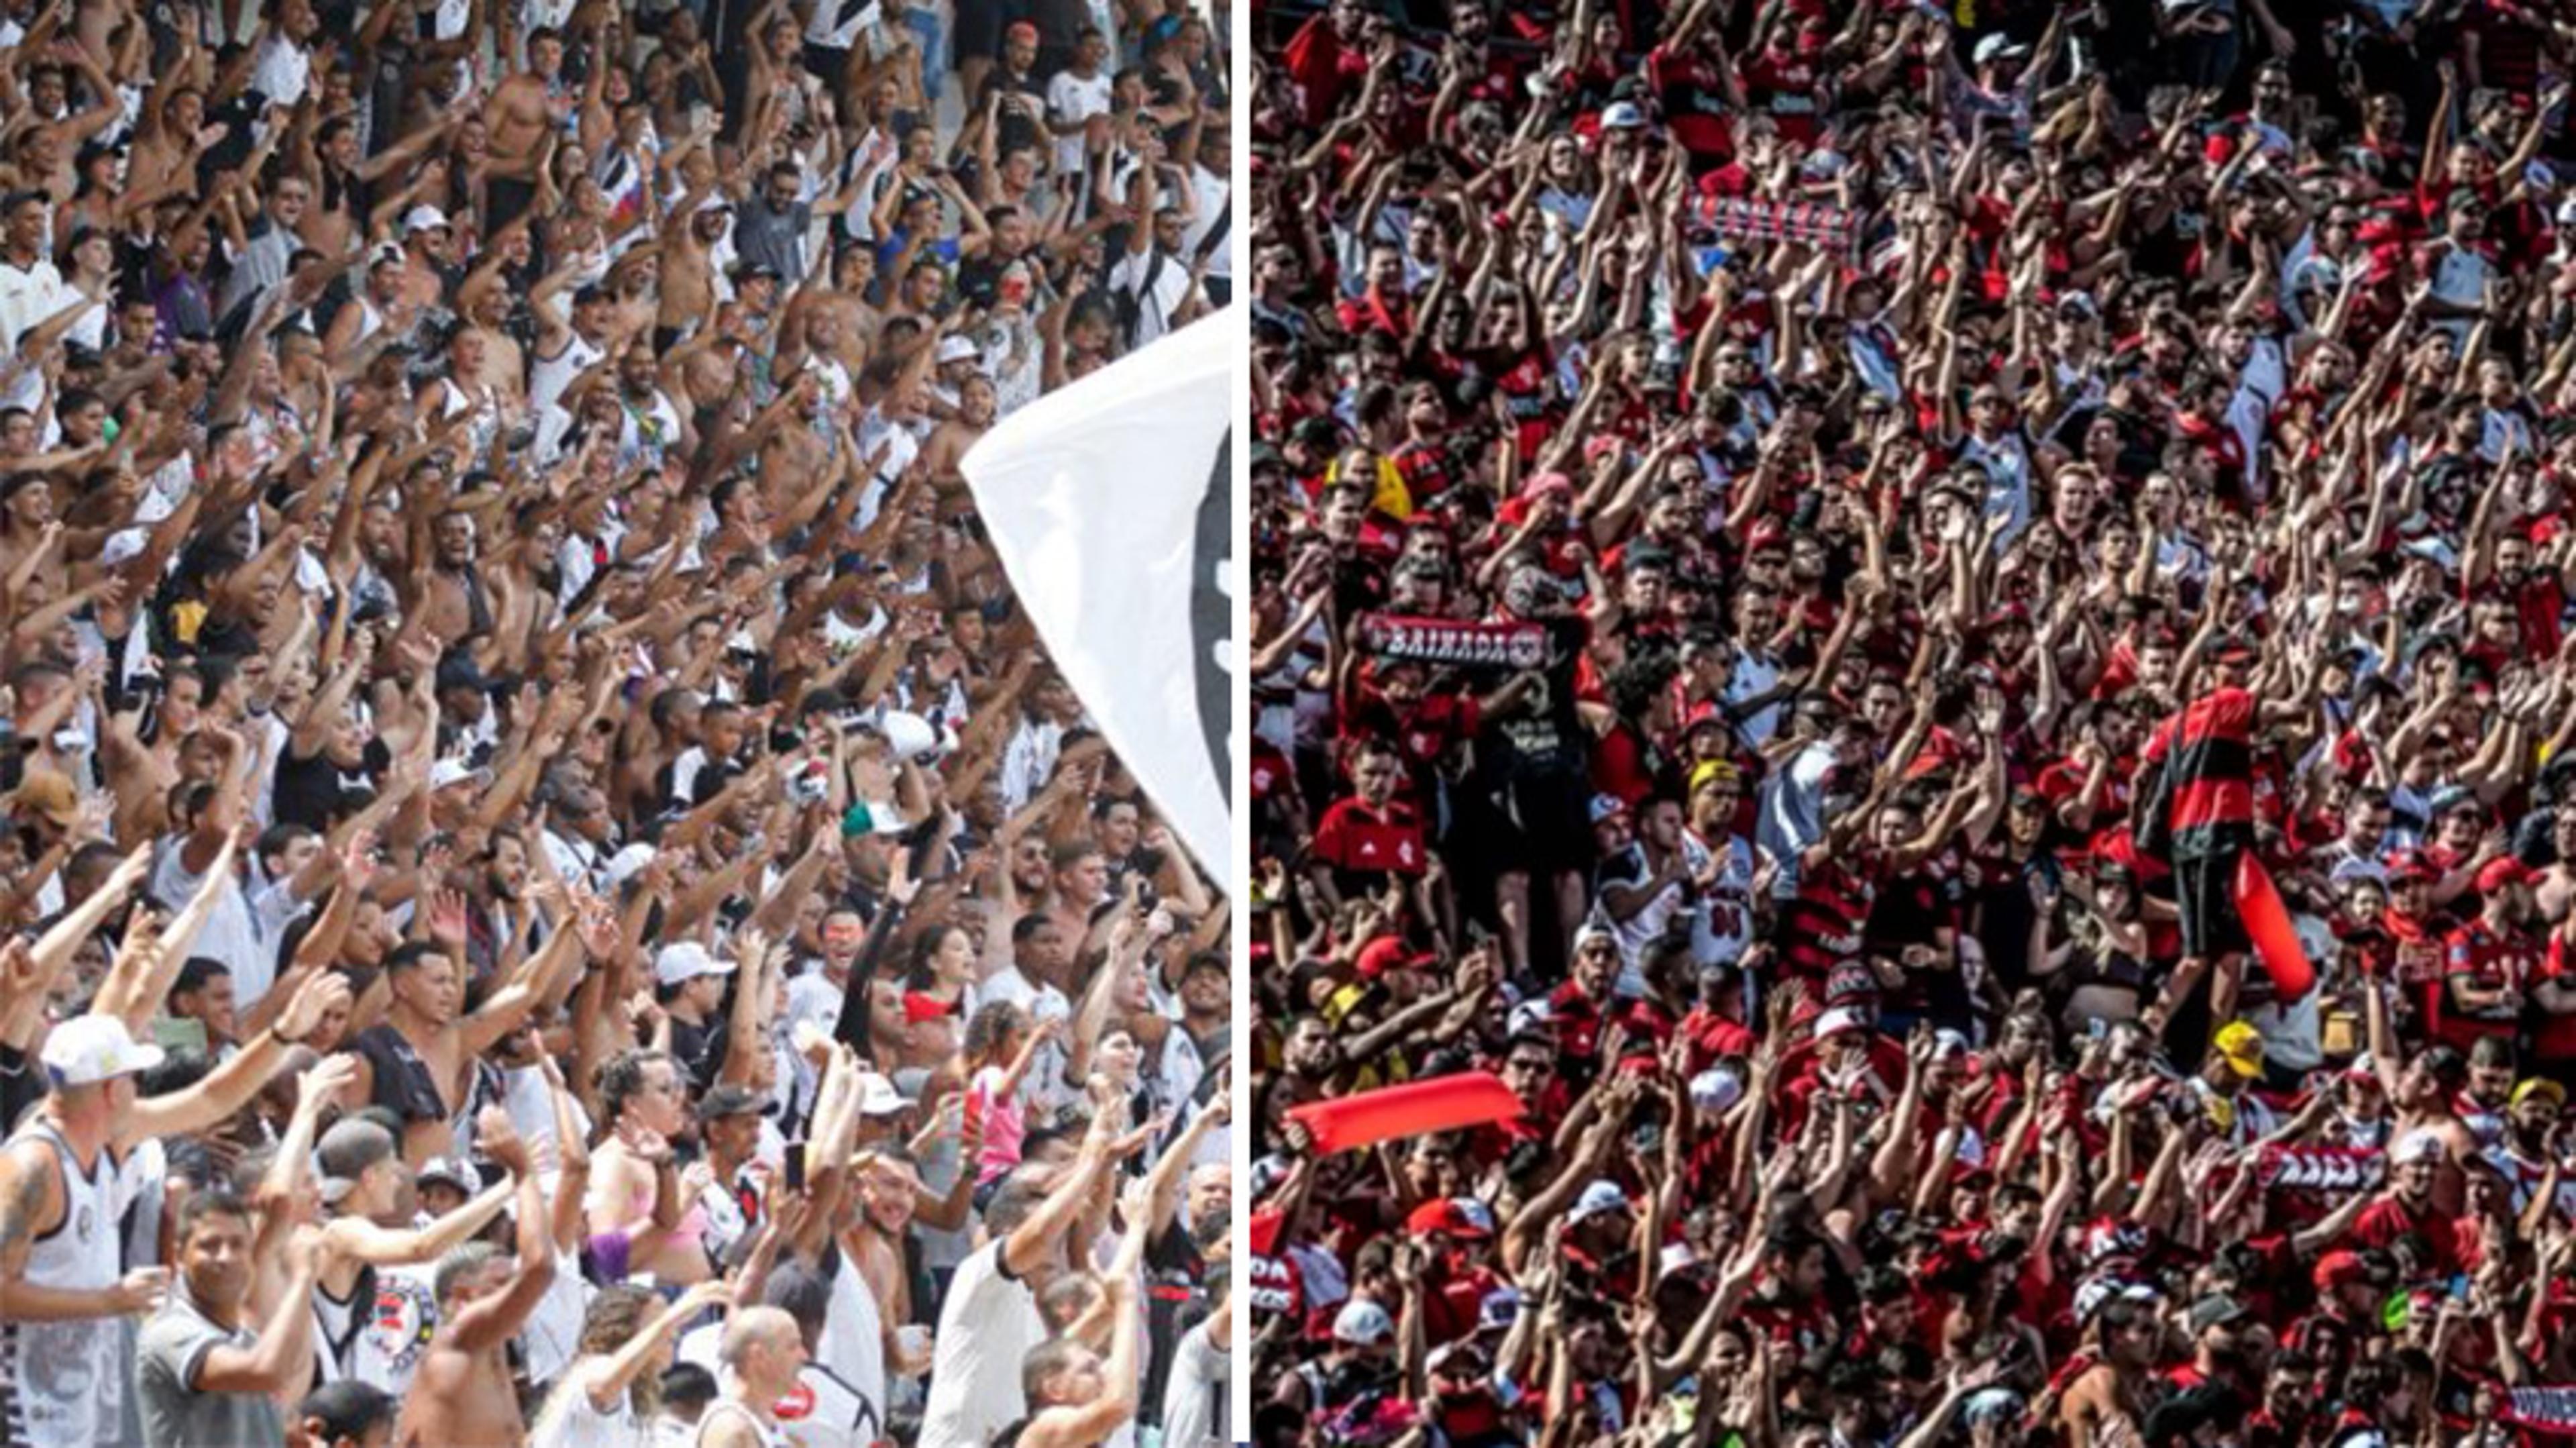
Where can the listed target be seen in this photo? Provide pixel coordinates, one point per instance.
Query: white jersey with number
(69, 1384)
(1722, 926)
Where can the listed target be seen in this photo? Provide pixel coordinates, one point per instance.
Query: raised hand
(324, 1082)
(312, 1001)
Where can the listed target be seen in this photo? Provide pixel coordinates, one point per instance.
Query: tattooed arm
(31, 1204)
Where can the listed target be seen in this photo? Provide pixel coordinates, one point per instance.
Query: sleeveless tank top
(716, 1410)
(67, 1384)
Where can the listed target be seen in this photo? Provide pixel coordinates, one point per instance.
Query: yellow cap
(1717, 770)
(2242, 1045)
(2537, 1086)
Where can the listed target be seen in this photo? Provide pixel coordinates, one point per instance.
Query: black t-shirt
(316, 793)
(1019, 122)
(700, 1048)
(979, 279)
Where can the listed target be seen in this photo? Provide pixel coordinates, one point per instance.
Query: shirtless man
(523, 109)
(419, 1060)
(464, 1393)
(2424, 1093)
(949, 443)
(2107, 1406)
(2556, 892)
(454, 605)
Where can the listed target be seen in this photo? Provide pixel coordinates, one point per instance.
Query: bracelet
(277, 1035)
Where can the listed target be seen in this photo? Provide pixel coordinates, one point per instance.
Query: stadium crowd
(550, 893)
(1940, 632)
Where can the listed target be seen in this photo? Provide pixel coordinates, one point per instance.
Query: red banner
(2550, 1410)
(2328, 1170)
(1827, 228)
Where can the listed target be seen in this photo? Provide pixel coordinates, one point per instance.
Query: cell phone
(796, 1166)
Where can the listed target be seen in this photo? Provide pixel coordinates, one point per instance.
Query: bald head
(753, 1328)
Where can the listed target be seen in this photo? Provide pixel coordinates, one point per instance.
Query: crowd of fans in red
(1815, 566)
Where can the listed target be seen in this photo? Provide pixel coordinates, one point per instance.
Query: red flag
(2267, 924)
(1416, 1108)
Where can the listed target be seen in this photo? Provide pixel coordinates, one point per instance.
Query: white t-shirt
(1194, 1396)
(231, 932)
(283, 70)
(1754, 677)
(986, 1329)
(1044, 1087)
(1209, 191)
(1157, 286)
(29, 296)
(570, 1421)
(1072, 99)
(852, 1346)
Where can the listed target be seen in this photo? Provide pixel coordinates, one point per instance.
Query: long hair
(617, 1313)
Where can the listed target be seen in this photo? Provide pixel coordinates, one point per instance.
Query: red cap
(1446, 1214)
(2411, 865)
(1766, 535)
(1546, 483)
(2336, 1269)
(1386, 953)
(2500, 873)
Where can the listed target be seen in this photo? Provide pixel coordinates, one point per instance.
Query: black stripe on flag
(1212, 613)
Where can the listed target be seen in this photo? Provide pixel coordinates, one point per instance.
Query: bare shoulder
(28, 1181)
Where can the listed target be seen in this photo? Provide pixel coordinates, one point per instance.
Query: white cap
(1998, 46)
(1622, 116)
(686, 960)
(878, 1096)
(1841, 1018)
(909, 735)
(89, 1049)
(1602, 1196)
(957, 349)
(456, 771)
(1363, 1323)
(626, 864)
(1529, 1015)
(1716, 1089)
(423, 217)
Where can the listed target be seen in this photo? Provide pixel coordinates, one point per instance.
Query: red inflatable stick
(2267, 924)
(1416, 1108)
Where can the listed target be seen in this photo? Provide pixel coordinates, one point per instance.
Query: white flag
(1111, 504)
